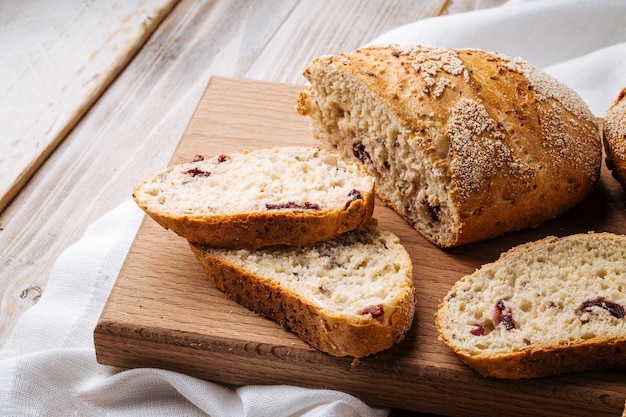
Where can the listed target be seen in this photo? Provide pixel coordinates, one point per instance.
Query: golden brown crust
(256, 230)
(537, 363)
(615, 138)
(328, 332)
(544, 176)
(516, 147)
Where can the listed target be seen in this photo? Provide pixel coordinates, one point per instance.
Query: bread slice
(548, 307)
(285, 195)
(350, 296)
(464, 144)
(615, 138)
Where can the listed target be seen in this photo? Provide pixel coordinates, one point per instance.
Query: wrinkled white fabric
(48, 365)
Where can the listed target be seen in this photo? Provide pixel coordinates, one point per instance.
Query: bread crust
(539, 358)
(511, 146)
(335, 334)
(542, 362)
(614, 135)
(256, 230)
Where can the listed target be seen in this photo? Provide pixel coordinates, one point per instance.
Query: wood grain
(57, 60)
(344, 26)
(162, 312)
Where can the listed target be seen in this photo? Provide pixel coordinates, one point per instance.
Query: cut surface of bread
(547, 307)
(615, 138)
(464, 144)
(349, 296)
(284, 195)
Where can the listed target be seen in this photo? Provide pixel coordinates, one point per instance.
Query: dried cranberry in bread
(288, 195)
(349, 296)
(615, 138)
(464, 144)
(552, 306)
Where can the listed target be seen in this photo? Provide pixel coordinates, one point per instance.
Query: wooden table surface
(132, 126)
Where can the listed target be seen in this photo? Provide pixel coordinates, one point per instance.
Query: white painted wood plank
(57, 58)
(332, 28)
(131, 131)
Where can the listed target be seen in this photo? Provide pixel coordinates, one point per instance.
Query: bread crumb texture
(252, 182)
(351, 275)
(283, 195)
(349, 296)
(464, 144)
(559, 295)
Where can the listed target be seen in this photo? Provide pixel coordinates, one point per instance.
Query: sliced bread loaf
(349, 296)
(285, 195)
(548, 307)
(464, 144)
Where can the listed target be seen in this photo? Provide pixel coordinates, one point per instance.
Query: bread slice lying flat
(548, 307)
(350, 296)
(464, 144)
(285, 195)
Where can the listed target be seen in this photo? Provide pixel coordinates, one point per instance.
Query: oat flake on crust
(475, 138)
(429, 61)
(547, 87)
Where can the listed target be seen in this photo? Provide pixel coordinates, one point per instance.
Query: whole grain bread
(548, 307)
(349, 296)
(464, 144)
(284, 195)
(615, 138)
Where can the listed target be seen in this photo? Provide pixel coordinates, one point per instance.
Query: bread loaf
(350, 296)
(543, 308)
(287, 195)
(615, 138)
(464, 144)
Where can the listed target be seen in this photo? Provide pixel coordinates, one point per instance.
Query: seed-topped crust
(464, 144)
(615, 138)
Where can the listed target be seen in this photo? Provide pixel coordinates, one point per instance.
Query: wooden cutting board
(163, 313)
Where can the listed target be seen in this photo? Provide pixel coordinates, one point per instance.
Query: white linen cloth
(48, 365)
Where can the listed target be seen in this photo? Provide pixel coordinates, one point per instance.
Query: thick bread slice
(464, 144)
(288, 195)
(615, 138)
(350, 296)
(547, 307)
